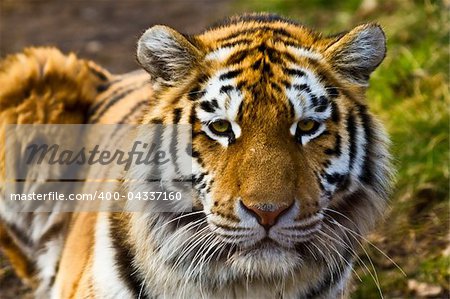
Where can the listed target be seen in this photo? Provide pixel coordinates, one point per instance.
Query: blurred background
(409, 92)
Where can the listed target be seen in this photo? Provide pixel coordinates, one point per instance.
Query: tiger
(290, 169)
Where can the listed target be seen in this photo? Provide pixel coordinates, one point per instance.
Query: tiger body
(290, 170)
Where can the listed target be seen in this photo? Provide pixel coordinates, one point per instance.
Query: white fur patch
(360, 153)
(302, 103)
(220, 54)
(107, 282)
(302, 52)
(301, 99)
(228, 103)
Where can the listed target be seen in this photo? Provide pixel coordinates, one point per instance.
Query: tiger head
(287, 159)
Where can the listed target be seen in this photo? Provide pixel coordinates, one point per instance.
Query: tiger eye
(220, 127)
(307, 125)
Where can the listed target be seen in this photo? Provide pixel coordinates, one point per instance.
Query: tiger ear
(358, 53)
(166, 54)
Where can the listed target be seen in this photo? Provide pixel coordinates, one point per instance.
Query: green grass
(409, 92)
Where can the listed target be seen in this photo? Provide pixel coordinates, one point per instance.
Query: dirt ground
(105, 31)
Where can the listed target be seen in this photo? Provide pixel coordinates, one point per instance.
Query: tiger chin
(290, 169)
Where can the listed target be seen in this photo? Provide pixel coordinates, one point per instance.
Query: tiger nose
(267, 215)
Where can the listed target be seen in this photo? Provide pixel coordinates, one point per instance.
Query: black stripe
(133, 110)
(286, 83)
(288, 56)
(226, 89)
(332, 91)
(97, 105)
(103, 87)
(267, 69)
(241, 84)
(237, 57)
(156, 121)
(177, 115)
(294, 72)
(207, 106)
(112, 101)
(195, 93)
(215, 103)
(244, 41)
(337, 147)
(19, 234)
(192, 116)
(302, 87)
(199, 179)
(230, 75)
(335, 178)
(367, 172)
(276, 87)
(262, 48)
(273, 55)
(314, 100)
(319, 180)
(93, 109)
(195, 154)
(52, 232)
(291, 43)
(257, 64)
(236, 34)
(335, 116)
(322, 104)
(124, 257)
(326, 164)
(173, 141)
(351, 129)
(98, 73)
(53, 277)
(291, 109)
(277, 31)
(240, 111)
(253, 17)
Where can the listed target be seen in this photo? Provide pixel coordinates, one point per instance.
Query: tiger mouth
(297, 234)
(287, 237)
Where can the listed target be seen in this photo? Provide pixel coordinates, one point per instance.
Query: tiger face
(287, 159)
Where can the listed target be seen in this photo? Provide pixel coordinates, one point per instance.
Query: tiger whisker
(178, 218)
(340, 255)
(341, 241)
(374, 275)
(368, 241)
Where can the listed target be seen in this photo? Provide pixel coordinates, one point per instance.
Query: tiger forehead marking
(264, 71)
(221, 99)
